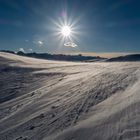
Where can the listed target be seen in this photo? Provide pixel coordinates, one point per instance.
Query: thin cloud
(31, 50)
(39, 43)
(70, 44)
(22, 50)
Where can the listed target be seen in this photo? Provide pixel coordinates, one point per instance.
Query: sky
(97, 25)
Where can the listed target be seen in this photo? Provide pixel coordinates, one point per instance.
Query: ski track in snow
(53, 100)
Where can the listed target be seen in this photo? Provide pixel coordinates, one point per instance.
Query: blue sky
(100, 25)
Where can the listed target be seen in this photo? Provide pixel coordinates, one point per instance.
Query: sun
(66, 31)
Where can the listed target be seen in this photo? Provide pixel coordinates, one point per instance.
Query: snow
(53, 100)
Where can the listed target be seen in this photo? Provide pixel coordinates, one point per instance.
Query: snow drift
(53, 100)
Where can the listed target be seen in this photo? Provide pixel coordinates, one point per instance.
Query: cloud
(70, 44)
(30, 50)
(22, 50)
(40, 42)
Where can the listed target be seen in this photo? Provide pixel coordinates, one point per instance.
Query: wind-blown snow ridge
(52, 100)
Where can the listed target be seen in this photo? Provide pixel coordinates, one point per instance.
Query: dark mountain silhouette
(8, 51)
(61, 57)
(132, 57)
(80, 57)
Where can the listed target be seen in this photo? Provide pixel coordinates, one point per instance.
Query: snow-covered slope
(52, 100)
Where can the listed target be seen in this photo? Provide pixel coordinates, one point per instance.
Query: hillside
(126, 58)
(59, 100)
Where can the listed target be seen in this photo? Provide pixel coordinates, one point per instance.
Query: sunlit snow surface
(53, 100)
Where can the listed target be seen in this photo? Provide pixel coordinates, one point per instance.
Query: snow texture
(53, 100)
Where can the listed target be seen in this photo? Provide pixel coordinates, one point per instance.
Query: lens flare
(66, 31)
